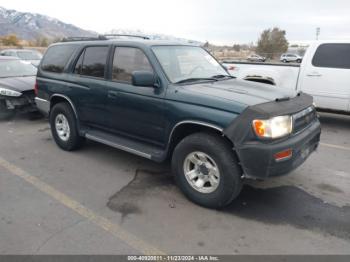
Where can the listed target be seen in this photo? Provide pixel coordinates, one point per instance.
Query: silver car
(256, 58)
(28, 55)
(285, 58)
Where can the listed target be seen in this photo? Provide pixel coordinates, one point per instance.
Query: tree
(236, 47)
(272, 42)
(10, 40)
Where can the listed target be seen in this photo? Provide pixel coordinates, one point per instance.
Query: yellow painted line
(335, 146)
(98, 220)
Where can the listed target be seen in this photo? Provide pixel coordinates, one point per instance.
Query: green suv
(162, 100)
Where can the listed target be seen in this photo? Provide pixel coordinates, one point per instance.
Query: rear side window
(333, 56)
(126, 61)
(92, 62)
(56, 58)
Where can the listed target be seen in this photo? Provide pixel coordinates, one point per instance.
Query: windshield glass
(187, 62)
(29, 55)
(13, 68)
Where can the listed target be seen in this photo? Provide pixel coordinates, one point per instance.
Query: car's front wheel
(206, 170)
(64, 127)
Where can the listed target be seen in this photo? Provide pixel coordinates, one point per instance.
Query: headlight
(8, 92)
(274, 127)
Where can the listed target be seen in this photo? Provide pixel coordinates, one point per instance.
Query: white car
(324, 73)
(285, 58)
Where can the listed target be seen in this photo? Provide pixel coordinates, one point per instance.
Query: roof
(19, 49)
(8, 58)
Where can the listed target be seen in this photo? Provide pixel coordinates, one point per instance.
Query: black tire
(74, 140)
(220, 151)
(5, 114)
(298, 61)
(284, 61)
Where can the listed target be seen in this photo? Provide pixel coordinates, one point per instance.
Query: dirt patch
(329, 188)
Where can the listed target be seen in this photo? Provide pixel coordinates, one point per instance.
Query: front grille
(303, 119)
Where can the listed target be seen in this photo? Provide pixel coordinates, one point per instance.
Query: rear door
(326, 76)
(89, 85)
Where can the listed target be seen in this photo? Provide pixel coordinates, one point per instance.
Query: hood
(241, 91)
(34, 62)
(18, 84)
(229, 95)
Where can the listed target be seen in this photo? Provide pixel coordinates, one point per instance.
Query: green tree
(236, 47)
(272, 42)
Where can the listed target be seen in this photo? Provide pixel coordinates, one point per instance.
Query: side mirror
(144, 78)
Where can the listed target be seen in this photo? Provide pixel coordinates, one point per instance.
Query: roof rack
(83, 38)
(126, 35)
(100, 37)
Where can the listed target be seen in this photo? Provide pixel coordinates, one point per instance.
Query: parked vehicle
(161, 100)
(256, 58)
(286, 58)
(31, 56)
(324, 74)
(17, 80)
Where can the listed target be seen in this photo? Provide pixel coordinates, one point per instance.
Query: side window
(94, 61)
(127, 60)
(332, 56)
(56, 58)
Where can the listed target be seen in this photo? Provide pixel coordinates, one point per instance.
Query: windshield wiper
(187, 80)
(223, 76)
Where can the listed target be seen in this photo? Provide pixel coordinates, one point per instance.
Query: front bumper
(24, 103)
(258, 161)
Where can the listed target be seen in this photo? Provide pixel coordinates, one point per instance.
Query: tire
(284, 61)
(298, 61)
(71, 141)
(219, 153)
(5, 114)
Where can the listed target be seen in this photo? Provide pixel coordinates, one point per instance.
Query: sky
(216, 21)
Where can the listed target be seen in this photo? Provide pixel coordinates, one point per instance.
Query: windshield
(29, 55)
(187, 62)
(14, 68)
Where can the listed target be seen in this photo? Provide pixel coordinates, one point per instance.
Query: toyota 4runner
(163, 100)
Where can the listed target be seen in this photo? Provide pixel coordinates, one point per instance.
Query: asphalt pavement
(100, 200)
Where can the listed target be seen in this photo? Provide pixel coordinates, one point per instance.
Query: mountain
(30, 26)
(154, 36)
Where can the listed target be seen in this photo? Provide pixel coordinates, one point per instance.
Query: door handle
(113, 94)
(315, 74)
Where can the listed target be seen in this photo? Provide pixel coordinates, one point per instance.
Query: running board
(128, 145)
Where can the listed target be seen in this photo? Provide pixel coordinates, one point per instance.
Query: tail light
(36, 88)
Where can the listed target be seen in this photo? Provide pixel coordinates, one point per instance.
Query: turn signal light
(286, 154)
(259, 127)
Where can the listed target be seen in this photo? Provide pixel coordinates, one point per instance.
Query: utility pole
(318, 31)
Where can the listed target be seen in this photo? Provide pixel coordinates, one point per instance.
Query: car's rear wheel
(206, 170)
(299, 61)
(64, 127)
(5, 113)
